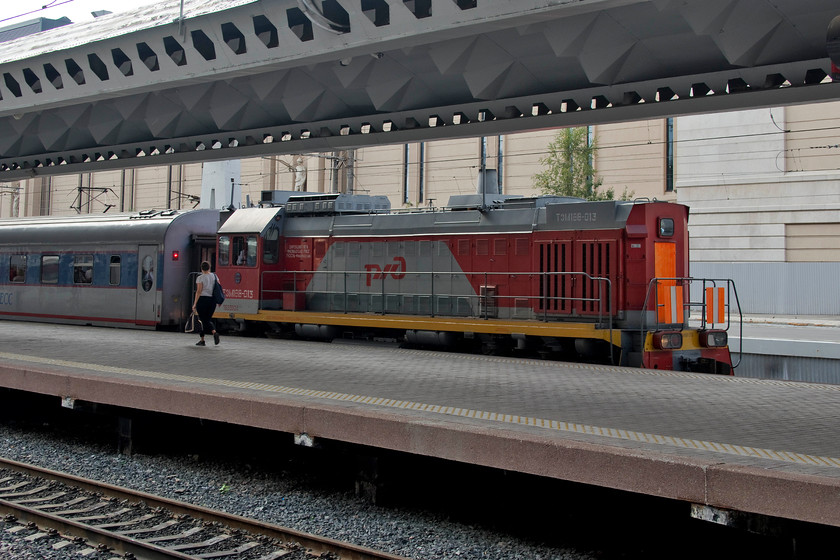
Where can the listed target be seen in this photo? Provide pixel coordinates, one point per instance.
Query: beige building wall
(632, 157)
(521, 161)
(452, 168)
(11, 194)
(383, 170)
(813, 143)
(762, 185)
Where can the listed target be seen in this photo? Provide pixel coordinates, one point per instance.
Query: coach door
(146, 313)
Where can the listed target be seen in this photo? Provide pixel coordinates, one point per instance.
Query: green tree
(568, 167)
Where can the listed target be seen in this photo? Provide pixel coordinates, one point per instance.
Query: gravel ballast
(276, 497)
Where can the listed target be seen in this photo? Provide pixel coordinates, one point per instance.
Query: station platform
(766, 447)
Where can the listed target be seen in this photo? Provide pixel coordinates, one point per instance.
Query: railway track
(62, 510)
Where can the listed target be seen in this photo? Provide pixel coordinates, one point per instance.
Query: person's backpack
(218, 292)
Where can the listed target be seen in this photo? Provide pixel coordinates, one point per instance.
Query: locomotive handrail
(485, 300)
(731, 291)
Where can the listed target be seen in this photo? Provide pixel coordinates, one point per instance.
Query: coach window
(114, 271)
(224, 250)
(82, 269)
(271, 247)
(49, 269)
(17, 269)
(666, 227)
(148, 274)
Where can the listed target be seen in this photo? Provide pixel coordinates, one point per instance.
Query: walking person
(204, 303)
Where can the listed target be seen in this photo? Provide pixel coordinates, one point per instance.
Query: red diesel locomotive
(605, 282)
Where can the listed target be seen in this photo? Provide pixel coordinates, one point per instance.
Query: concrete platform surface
(767, 447)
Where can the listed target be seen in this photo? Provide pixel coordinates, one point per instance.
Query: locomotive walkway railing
(460, 294)
(715, 298)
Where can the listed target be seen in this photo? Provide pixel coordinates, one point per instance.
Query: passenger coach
(109, 270)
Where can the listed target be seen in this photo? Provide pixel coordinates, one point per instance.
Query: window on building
(49, 269)
(82, 269)
(17, 269)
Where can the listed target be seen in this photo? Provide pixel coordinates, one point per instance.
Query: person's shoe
(215, 338)
(200, 343)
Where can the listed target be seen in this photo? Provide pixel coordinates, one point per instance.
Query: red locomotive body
(595, 281)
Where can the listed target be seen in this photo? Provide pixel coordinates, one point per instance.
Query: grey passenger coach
(123, 270)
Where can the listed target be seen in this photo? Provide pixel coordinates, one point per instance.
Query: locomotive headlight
(667, 340)
(713, 339)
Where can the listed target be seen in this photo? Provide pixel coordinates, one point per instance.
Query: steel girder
(241, 78)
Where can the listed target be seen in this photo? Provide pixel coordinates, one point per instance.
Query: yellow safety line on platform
(570, 427)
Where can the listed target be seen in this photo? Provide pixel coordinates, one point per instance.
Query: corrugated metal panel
(808, 288)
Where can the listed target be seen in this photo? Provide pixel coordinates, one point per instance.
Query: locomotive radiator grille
(555, 289)
(596, 259)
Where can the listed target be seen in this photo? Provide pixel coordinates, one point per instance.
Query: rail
(718, 297)
(141, 525)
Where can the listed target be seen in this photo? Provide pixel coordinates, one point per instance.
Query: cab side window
(271, 248)
(251, 257)
(224, 250)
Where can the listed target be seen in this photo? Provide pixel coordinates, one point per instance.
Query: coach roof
(145, 227)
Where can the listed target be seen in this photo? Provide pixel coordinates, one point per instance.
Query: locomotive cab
(248, 261)
(684, 321)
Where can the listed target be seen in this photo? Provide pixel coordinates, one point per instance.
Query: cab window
(271, 248)
(666, 227)
(224, 250)
(244, 250)
(252, 251)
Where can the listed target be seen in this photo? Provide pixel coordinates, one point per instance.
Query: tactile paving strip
(568, 427)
